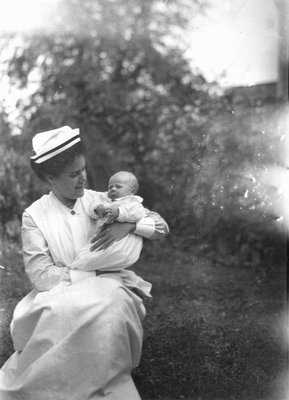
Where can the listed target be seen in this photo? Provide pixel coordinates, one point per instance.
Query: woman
(78, 334)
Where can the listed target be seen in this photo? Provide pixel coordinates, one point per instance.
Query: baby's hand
(112, 213)
(100, 210)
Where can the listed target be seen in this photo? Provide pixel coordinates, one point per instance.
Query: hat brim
(39, 158)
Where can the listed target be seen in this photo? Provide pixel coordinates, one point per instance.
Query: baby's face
(119, 186)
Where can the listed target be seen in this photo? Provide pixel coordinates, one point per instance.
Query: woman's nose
(83, 176)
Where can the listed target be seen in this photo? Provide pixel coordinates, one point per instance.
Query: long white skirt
(75, 342)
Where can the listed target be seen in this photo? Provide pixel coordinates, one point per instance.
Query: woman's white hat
(50, 143)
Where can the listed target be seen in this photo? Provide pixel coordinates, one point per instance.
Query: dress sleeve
(39, 265)
(151, 227)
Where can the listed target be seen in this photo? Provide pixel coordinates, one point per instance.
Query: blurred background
(190, 95)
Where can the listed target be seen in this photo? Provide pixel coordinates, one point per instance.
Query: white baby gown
(74, 340)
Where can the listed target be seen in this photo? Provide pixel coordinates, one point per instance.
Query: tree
(116, 69)
(115, 72)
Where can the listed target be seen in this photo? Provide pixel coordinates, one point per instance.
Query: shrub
(17, 189)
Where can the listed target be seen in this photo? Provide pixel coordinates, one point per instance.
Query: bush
(227, 204)
(18, 190)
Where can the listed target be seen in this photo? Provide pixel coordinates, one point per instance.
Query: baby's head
(122, 184)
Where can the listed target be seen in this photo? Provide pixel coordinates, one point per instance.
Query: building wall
(252, 96)
(237, 42)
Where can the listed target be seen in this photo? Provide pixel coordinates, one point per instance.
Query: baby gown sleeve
(131, 210)
(119, 255)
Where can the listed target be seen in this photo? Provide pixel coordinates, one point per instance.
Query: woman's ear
(49, 179)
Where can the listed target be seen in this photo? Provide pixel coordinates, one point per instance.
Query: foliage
(140, 106)
(136, 99)
(113, 69)
(234, 194)
(18, 186)
(15, 189)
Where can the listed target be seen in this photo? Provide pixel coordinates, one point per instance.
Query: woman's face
(69, 185)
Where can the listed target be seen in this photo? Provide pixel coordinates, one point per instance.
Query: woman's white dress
(76, 336)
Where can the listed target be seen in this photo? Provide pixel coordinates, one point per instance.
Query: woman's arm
(39, 265)
(119, 255)
(151, 227)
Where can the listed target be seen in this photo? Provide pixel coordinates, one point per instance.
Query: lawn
(213, 331)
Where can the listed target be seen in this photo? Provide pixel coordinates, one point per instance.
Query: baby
(121, 203)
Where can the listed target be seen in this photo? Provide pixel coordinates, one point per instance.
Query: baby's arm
(131, 211)
(121, 254)
(98, 208)
(128, 211)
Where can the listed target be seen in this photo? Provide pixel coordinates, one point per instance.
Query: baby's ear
(133, 190)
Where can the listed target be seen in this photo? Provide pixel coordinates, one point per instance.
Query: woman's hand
(110, 234)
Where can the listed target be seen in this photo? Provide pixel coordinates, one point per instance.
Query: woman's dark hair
(55, 165)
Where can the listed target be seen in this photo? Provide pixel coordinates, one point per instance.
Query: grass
(13, 286)
(212, 331)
